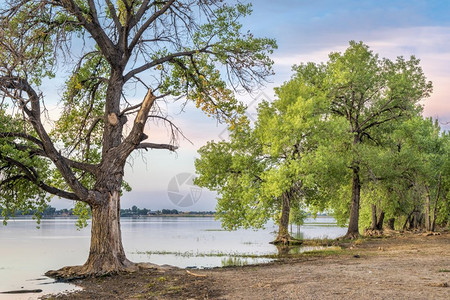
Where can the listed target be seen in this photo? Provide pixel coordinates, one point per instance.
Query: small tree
(171, 49)
(297, 217)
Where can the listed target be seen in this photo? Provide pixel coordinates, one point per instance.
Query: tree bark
(391, 224)
(427, 210)
(376, 226)
(283, 233)
(353, 230)
(380, 221)
(284, 238)
(436, 199)
(106, 255)
(373, 225)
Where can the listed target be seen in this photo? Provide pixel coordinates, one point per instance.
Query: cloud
(431, 44)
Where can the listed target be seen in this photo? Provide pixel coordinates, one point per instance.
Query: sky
(305, 31)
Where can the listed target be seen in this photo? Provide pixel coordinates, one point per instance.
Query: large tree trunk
(106, 255)
(353, 231)
(376, 226)
(284, 238)
(380, 221)
(284, 219)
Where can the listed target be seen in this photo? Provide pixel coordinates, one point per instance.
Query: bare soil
(407, 266)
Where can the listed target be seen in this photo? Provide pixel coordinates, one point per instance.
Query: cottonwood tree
(421, 187)
(364, 98)
(370, 94)
(257, 173)
(193, 50)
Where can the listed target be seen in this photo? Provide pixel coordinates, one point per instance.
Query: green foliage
(367, 97)
(19, 164)
(83, 211)
(192, 50)
(297, 215)
(356, 111)
(258, 165)
(234, 169)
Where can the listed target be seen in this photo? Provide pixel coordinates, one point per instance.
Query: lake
(26, 252)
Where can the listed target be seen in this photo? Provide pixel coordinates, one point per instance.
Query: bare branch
(150, 20)
(172, 126)
(159, 61)
(113, 13)
(93, 27)
(156, 146)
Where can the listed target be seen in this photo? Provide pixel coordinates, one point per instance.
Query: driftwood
(193, 274)
(22, 291)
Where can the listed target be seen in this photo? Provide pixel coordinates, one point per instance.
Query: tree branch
(156, 146)
(34, 115)
(136, 135)
(22, 135)
(376, 123)
(113, 13)
(161, 60)
(93, 27)
(31, 175)
(147, 23)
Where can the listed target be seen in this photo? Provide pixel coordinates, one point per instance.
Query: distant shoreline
(182, 215)
(130, 217)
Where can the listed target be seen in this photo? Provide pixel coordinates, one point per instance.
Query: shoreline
(405, 266)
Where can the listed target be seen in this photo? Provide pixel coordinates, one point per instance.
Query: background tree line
(49, 211)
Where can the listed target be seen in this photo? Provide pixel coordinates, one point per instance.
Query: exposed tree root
(286, 240)
(350, 236)
(84, 271)
(22, 291)
(374, 233)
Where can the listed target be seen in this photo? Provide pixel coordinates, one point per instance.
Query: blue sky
(305, 31)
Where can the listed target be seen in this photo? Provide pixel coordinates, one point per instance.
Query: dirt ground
(407, 266)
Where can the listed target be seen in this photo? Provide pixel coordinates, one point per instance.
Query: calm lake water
(26, 252)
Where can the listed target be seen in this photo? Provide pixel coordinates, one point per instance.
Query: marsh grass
(208, 254)
(234, 261)
(323, 246)
(335, 250)
(324, 242)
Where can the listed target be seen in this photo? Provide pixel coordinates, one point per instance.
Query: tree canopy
(334, 139)
(105, 53)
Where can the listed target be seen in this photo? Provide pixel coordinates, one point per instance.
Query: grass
(444, 271)
(210, 254)
(234, 261)
(318, 242)
(235, 255)
(320, 225)
(235, 258)
(326, 252)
